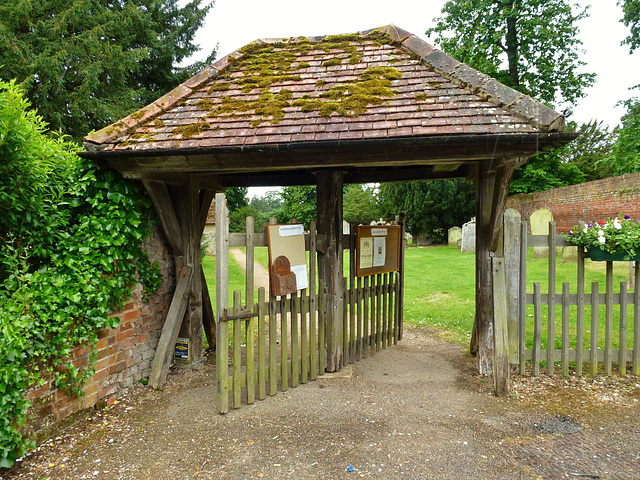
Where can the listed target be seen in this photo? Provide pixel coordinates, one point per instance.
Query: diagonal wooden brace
(164, 351)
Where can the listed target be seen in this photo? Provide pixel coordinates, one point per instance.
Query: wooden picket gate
(280, 342)
(585, 333)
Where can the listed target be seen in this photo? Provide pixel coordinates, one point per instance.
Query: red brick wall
(124, 353)
(596, 200)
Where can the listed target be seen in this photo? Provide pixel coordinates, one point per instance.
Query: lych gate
(378, 106)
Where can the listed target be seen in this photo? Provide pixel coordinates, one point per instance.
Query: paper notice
(302, 280)
(379, 251)
(366, 252)
(291, 230)
(379, 232)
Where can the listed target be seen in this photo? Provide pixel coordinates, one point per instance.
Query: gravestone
(539, 221)
(469, 236)
(346, 229)
(454, 234)
(569, 254)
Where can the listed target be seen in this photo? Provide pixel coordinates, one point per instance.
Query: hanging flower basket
(597, 255)
(611, 240)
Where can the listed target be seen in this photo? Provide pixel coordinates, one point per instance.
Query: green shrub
(70, 254)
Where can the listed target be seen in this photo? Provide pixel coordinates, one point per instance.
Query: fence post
(512, 271)
(222, 301)
(501, 340)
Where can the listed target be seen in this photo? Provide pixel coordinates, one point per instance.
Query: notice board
(287, 258)
(378, 249)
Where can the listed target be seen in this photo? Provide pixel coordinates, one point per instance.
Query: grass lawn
(440, 291)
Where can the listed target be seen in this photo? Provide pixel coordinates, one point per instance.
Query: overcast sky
(234, 23)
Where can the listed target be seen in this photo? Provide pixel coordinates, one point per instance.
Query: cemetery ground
(416, 410)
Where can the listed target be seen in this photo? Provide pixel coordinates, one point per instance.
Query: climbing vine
(70, 254)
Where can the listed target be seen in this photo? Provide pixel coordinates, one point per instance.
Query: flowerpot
(598, 255)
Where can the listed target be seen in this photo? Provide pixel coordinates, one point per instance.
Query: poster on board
(287, 259)
(378, 249)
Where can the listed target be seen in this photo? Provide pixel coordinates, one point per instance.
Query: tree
(268, 204)
(430, 205)
(625, 154)
(631, 19)
(589, 149)
(529, 45)
(360, 204)
(236, 197)
(298, 203)
(87, 63)
(544, 172)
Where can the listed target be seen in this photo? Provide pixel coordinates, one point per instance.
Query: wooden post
(402, 220)
(492, 185)
(222, 301)
(512, 272)
(501, 340)
(329, 213)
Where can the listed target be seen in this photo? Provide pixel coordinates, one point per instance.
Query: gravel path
(260, 274)
(413, 411)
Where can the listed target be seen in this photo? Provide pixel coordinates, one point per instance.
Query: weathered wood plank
(273, 334)
(208, 318)
(537, 327)
(580, 312)
(565, 329)
(608, 335)
(522, 301)
(366, 293)
(262, 380)
(383, 332)
(323, 312)
(551, 325)
(295, 350)
(352, 292)
(402, 221)
(390, 309)
(304, 337)
(359, 339)
(284, 342)
(344, 302)
(166, 214)
(222, 300)
(501, 340)
(622, 335)
(595, 303)
(167, 342)
(250, 354)
(512, 272)
(313, 305)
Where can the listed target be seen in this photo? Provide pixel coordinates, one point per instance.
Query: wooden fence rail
(600, 361)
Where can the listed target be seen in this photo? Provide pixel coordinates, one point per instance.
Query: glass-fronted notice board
(377, 249)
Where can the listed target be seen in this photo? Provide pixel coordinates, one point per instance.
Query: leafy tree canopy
(87, 63)
(236, 197)
(589, 151)
(544, 172)
(268, 204)
(631, 18)
(298, 203)
(429, 205)
(625, 154)
(529, 45)
(360, 204)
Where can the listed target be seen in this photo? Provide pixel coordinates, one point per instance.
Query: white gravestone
(454, 234)
(539, 221)
(469, 236)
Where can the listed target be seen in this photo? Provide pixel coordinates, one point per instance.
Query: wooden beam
(498, 204)
(329, 214)
(166, 213)
(206, 197)
(166, 345)
(208, 318)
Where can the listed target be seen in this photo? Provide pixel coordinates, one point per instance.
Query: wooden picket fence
(280, 342)
(559, 360)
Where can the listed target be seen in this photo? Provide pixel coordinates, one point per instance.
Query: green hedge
(71, 253)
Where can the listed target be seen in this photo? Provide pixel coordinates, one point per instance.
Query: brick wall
(124, 353)
(596, 200)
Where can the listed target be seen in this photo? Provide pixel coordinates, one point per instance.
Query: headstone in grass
(454, 234)
(469, 236)
(539, 221)
(569, 254)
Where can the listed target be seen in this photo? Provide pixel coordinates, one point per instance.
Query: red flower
(601, 223)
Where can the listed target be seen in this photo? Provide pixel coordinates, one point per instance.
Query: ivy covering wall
(71, 252)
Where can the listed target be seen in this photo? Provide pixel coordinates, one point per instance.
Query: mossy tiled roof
(385, 83)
